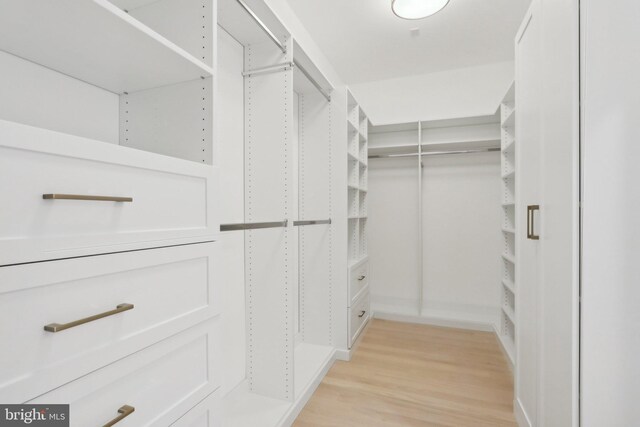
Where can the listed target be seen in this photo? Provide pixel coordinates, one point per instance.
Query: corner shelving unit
(507, 327)
(357, 151)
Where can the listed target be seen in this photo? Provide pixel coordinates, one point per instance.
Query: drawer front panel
(170, 289)
(358, 280)
(207, 413)
(173, 199)
(161, 382)
(359, 315)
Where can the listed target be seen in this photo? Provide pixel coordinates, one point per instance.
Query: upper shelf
(510, 96)
(510, 120)
(471, 144)
(96, 42)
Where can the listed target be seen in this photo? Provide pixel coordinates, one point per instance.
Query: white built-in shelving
(357, 181)
(99, 43)
(508, 290)
(467, 133)
(161, 75)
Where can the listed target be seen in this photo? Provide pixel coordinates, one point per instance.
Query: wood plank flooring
(416, 375)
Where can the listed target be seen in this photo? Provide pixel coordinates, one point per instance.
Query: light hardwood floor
(415, 375)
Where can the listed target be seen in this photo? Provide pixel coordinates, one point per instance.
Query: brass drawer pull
(361, 278)
(81, 197)
(362, 313)
(57, 327)
(124, 412)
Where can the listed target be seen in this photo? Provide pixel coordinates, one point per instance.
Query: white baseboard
(241, 408)
(521, 415)
(435, 321)
(343, 355)
(301, 400)
(346, 355)
(504, 350)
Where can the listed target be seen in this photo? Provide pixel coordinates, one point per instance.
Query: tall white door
(528, 142)
(547, 248)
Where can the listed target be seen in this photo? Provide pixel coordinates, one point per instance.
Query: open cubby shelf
(357, 128)
(129, 77)
(98, 43)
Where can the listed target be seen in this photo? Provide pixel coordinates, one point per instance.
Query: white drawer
(161, 382)
(173, 199)
(359, 315)
(207, 413)
(358, 280)
(170, 288)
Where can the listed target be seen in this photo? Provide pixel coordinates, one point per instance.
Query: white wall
(38, 96)
(230, 262)
(393, 238)
(461, 236)
(464, 92)
(611, 232)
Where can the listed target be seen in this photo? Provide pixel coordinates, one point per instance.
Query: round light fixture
(417, 9)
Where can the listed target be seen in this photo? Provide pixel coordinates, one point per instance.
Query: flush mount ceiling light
(417, 9)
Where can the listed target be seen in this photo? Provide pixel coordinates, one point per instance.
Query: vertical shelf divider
(508, 286)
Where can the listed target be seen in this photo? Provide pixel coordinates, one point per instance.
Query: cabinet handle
(81, 197)
(124, 412)
(57, 327)
(361, 278)
(362, 313)
(531, 222)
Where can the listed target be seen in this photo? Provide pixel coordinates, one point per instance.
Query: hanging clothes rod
(253, 225)
(434, 153)
(263, 26)
(312, 222)
(313, 81)
(283, 48)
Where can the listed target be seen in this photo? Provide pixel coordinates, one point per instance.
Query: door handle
(362, 313)
(361, 278)
(531, 225)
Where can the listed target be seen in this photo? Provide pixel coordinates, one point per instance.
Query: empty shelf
(509, 285)
(509, 258)
(96, 42)
(509, 146)
(510, 121)
(509, 312)
(509, 174)
(509, 346)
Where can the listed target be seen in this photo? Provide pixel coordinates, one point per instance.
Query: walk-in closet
(274, 213)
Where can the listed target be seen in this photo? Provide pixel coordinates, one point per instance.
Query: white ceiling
(365, 41)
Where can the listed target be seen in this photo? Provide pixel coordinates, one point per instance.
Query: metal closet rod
(253, 225)
(313, 81)
(276, 224)
(283, 48)
(263, 26)
(312, 222)
(434, 153)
